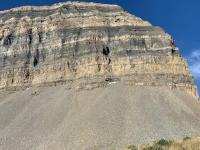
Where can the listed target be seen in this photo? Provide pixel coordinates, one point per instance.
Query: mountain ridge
(87, 76)
(81, 37)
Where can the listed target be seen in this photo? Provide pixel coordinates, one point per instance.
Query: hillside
(86, 76)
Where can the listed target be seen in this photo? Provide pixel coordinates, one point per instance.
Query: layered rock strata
(92, 44)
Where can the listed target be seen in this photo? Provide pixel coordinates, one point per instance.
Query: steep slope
(102, 118)
(90, 76)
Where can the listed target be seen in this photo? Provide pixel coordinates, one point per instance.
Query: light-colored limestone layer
(79, 41)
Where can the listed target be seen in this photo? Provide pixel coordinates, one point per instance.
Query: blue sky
(180, 18)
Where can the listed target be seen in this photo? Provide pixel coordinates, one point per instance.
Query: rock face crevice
(75, 41)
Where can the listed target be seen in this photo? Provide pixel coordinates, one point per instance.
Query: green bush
(12, 11)
(159, 145)
(164, 142)
(132, 147)
(186, 138)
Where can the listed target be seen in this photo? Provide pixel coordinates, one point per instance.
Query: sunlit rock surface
(118, 80)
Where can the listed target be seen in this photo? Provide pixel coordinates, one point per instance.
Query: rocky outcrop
(87, 43)
(140, 88)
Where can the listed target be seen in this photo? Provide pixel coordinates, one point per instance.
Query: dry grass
(185, 144)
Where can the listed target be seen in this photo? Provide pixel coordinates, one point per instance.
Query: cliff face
(87, 43)
(142, 89)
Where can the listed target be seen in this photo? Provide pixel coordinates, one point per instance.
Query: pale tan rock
(72, 41)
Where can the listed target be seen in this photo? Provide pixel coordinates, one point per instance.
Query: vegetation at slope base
(186, 143)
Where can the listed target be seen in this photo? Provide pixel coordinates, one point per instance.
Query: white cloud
(194, 63)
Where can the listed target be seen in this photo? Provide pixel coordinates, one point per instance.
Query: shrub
(132, 147)
(164, 142)
(159, 145)
(12, 11)
(186, 138)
